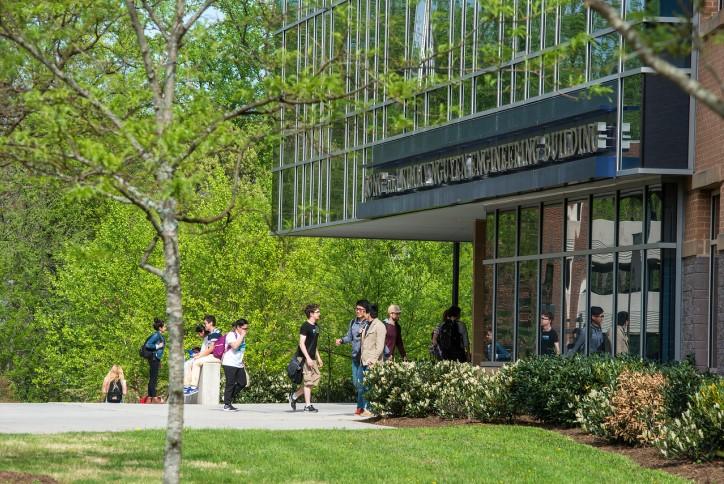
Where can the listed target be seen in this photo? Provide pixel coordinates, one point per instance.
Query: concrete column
(478, 324)
(210, 384)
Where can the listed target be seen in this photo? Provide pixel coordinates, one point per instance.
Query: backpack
(144, 352)
(294, 370)
(219, 347)
(115, 392)
(449, 340)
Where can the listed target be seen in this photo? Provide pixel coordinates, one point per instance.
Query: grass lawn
(474, 453)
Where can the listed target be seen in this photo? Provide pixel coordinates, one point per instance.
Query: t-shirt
(547, 340)
(233, 357)
(311, 331)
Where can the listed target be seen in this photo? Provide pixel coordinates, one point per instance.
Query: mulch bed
(649, 457)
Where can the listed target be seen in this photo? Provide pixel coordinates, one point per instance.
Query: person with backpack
(156, 343)
(451, 337)
(114, 385)
(308, 353)
(212, 352)
(353, 336)
(232, 362)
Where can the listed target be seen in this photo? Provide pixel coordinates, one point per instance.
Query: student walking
(354, 333)
(393, 340)
(156, 343)
(373, 348)
(233, 363)
(307, 350)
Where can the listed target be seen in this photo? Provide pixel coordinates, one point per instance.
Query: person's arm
(347, 338)
(209, 347)
(239, 338)
(124, 386)
(466, 342)
(398, 342)
(578, 344)
(303, 349)
(557, 348)
(104, 387)
(380, 335)
(152, 342)
(319, 360)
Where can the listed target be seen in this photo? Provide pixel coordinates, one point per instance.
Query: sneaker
(310, 408)
(366, 413)
(190, 390)
(230, 408)
(358, 411)
(292, 401)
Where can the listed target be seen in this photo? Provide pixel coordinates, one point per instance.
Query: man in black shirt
(548, 336)
(308, 336)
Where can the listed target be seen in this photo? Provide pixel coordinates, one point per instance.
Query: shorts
(311, 375)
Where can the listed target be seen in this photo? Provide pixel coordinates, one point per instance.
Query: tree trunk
(174, 314)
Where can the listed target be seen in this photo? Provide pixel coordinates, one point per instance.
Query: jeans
(235, 383)
(155, 365)
(357, 378)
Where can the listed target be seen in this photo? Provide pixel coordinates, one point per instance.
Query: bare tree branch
(144, 260)
(156, 21)
(691, 86)
(194, 18)
(145, 53)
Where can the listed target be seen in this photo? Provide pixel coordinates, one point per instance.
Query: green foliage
(699, 433)
(682, 382)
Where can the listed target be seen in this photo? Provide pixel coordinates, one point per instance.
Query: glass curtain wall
(464, 56)
(603, 265)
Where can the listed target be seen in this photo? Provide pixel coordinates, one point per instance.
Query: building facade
(521, 128)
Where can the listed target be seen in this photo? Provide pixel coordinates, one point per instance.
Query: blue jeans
(357, 378)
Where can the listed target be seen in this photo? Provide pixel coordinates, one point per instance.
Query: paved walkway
(44, 418)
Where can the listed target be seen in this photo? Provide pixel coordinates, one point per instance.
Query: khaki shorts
(311, 375)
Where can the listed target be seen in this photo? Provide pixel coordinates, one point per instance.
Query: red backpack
(219, 347)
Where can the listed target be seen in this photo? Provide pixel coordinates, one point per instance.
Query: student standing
(233, 363)
(393, 340)
(307, 350)
(156, 343)
(548, 336)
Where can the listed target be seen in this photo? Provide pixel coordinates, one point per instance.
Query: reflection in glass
(577, 225)
(486, 92)
(527, 308)
(604, 56)
(550, 292)
(603, 222)
(654, 281)
(602, 290)
(529, 231)
(630, 219)
(599, 22)
(488, 288)
(632, 97)
(299, 199)
(506, 233)
(576, 311)
(349, 198)
(629, 299)
(336, 188)
(552, 228)
(504, 311)
(490, 236)
(288, 198)
(654, 214)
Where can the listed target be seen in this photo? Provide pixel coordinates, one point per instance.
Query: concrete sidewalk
(44, 418)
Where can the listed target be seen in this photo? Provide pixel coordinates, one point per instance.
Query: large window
(588, 262)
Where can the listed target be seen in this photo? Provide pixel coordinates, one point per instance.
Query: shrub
(460, 392)
(593, 411)
(403, 388)
(682, 382)
(637, 407)
(699, 433)
(273, 386)
(495, 400)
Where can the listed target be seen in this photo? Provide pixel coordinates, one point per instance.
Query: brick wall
(695, 312)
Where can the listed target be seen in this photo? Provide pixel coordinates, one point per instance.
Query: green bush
(593, 412)
(682, 382)
(400, 389)
(274, 386)
(699, 433)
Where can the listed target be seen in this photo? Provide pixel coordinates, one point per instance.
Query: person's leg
(307, 395)
(196, 369)
(230, 374)
(188, 365)
(363, 370)
(154, 366)
(239, 383)
(357, 377)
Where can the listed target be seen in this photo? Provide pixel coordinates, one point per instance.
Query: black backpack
(450, 341)
(115, 392)
(144, 352)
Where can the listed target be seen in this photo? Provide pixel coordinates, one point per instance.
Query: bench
(209, 386)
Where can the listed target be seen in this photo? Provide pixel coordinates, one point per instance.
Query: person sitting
(501, 354)
(114, 385)
(201, 333)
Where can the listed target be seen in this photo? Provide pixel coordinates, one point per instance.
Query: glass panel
(604, 56)
(654, 214)
(506, 233)
(349, 198)
(534, 72)
(487, 325)
(654, 280)
(575, 311)
(323, 211)
(536, 19)
(598, 22)
(552, 231)
(506, 85)
(486, 91)
(715, 200)
(519, 71)
(572, 67)
(288, 199)
(550, 24)
(440, 23)
(527, 307)
(469, 35)
(602, 294)
(529, 218)
(628, 317)
(550, 299)
(631, 128)
(488, 45)
(276, 182)
(336, 188)
(437, 106)
(630, 219)
(504, 313)
(490, 236)
(573, 19)
(603, 231)
(549, 72)
(577, 225)
(467, 97)
(396, 39)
